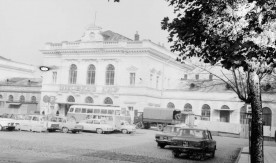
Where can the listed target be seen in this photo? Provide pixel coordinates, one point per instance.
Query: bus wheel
(65, 129)
(124, 131)
(99, 131)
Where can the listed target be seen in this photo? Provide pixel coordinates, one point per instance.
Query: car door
(213, 142)
(87, 125)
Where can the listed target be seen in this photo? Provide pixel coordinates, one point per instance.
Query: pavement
(269, 155)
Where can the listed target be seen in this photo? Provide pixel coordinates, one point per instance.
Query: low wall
(219, 126)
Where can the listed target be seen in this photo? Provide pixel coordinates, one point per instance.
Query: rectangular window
(185, 76)
(96, 110)
(130, 108)
(54, 77)
(83, 110)
(77, 110)
(89, 110)
(110, 111)
(157, 81)
(132, 78)
(103, 111)
(196, 76)
(210, 77)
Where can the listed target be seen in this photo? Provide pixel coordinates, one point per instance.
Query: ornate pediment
(132, 68)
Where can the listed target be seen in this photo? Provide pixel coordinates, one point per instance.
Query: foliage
(235, 33)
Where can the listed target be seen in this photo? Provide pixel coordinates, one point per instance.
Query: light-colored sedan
(33, 123)
(98, 125)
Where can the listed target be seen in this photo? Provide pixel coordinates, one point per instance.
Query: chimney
(136, 36)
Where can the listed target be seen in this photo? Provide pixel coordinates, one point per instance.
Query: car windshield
(193, 133)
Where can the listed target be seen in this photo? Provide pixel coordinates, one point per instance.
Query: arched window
(188, 107)
(266, 116)
(73, 74)
(22, 98)
(89, 99)
(33, 99)
(43, 112)
(70, 99)
(91, 75)
(108, 100)
(243, 119)
(225, 114)
(109, 75)
(170, 105)
(205, 112)
(10, 98)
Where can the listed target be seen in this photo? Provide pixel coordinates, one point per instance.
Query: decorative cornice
(132, 68)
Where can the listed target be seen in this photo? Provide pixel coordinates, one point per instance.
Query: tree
(238, 34)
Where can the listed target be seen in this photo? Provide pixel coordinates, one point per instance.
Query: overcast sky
(26, 25)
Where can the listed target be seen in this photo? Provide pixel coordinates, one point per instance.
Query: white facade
(146, 75)
(9, 69)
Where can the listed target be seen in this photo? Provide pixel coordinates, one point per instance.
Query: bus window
(83, 110)
(110, 118)
(103, 111)
(77, 110)
(96, 122)
(71, 109)
(95, 117)
(96, 110)
(89, 110)
(111, 112)
(117, 112)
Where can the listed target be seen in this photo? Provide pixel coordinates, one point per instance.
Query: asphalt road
(21, 146)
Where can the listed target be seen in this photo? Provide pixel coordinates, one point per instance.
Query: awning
(18, 103)
(224, 109)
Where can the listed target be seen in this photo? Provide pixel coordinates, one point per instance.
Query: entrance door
(224, 116)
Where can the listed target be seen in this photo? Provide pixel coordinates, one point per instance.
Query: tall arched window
(73, 74)
(70, 99)
(22, 98)
(10, 98)
(108, 100)
(266, 116)
(89, 99)
(91, 75)
(205, 112)
(33, 99)
(225, 114)
(170, 105)
(188, 107)
(243, 119)
(109, 75)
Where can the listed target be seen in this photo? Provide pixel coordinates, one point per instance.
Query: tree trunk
(257, 155)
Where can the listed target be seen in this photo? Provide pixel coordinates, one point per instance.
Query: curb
(239, 156)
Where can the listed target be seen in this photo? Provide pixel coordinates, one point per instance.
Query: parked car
(18, 118)
(98, 125)
(33, 123)
(69, 126)
(7, 124)
(53, 123)
(165, 138)
(127, 128)
(193, 143)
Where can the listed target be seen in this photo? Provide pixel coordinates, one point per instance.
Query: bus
(112, 114)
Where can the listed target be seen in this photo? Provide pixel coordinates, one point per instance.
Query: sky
(26, 25)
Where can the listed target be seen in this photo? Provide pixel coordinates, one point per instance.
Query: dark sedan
(193, 143)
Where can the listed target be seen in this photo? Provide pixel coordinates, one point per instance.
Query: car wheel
(124, 131)
(213, 153)
(99, 131)
(161, 145)
(175, 153)
(65, 129)
(160, 127)
(1, 128)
